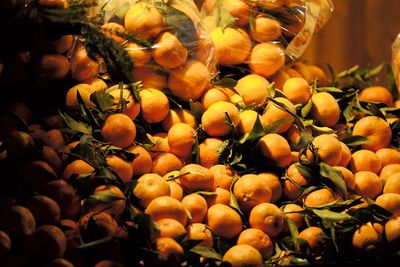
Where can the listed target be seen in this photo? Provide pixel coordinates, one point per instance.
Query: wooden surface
(359, 32)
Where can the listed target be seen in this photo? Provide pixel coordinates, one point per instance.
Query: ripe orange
(160, 141)
(132, 108)
(214, 118)
(392, 184)
(247, 119)
(389, 170)
(53, 67)
(189, 81)
(258, 240)
(325, 109)
(293, 212)
(168, 51)
(150, 186)
(251, 190)
(304, 71)
(85, 90)
(17, 221)
(113, 31)
(364, 160)
(315, 238)
(166, 207)
(243, 255)
(367, 240)
(223, 221)
(197, 207)
(214, 95)
(115, 207)
(274, 183)
(238, 9)
(97, 83)
(150, 77)
(390, 202)
(232, 45)
(144, 20)
(181, 138)
(170, 228)
(164, 163)
(220, 196)
(119, 130)
(120, 167)
(275, 148)
(376, 130)
(346, 155)
(319, 197)
(388, 156)
(329, 149)
(268, 218)
(82, 66)
(272, 113)
(140, 55)
(348, 176)
(265, 29)
(297, 90)
(266, 59)
(194, 177)
(77, 167)
(392, 230)
(280, 78)
(179, 115)
(318, 74)
(291, 190)
(376, 94)
(168, 248)
(223, 176)
(199, 231)
(368, 184)
(143, 162)
(176, 190)
(208, 151)
(154, 105)
(253, 88)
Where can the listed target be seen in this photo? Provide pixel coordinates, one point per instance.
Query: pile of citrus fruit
(186, 167)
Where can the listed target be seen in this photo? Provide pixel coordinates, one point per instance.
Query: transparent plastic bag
(263, 34)
(396, 61)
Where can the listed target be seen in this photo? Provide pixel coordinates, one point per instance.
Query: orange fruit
(318, 74)
(367, 240)
(17, 221)
(181, 138)
(248, 118)
(132, 108)
(77, 167)
(119, 130)
(392, 184)
(223, 221)
(166, 162)
(376, 94)
(347, 175)
(53, 67)
(232, 45)
(390, 202)
(199, 231)
(85, 90)
(167, 248)
(160, 141)
(251, 190)
(272, 113)
(329, 149)
(62, 4)
(114, 207)
(346, 155)
(189, 81)
(214, 95)
(223, 176)
(266, 59)
(143, 162)
(214, 118)
(113, 31)
(389, 170)
(220, 196)
(268, 218)
(179, 115)
(243, 255)
(194, 177)
(101, 225)
(176, 190)
(364, 160)
(5, 244)
(121, 167)
(265, 29)
(274, 183)
(258, 240)
(304, 71)
(297, 90)
(325, 109)
(44, 209)
(280, 78)
(108, 263)
(154, 105)
(54, 138)
(293, 73)
(315, 238)
(376, 130)
(276, 149)
(81, 65)
(368, 184)
(291, 189)
(140, 55)
(293, 212)
(166, 207)
(197, 207)
(208, 151)
(150, 186)
(271, 4)
(150, 77)
(170, 228)
(253, 88)
(392, 230)
(46, 236)
(144, 20)
(388, 156)
(60, 45)
(97, 83)
(319, 197)
(168, 51)
(238, 9)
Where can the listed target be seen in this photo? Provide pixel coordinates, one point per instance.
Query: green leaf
(206, 193)
(318, 130)
(335, 176)
(330, 89)
(326, 214)
(75, 125)
(224, 17)
(143, 138)
(85, 111)
(195, 151)
(355, 140)
(256, 132)
(104, 101)
(104, 196)
(305, 171)
(272, 90)
(297, 120)
(197, 109)
(274, 127)
(306, 139)
(226, 82)
(348, 72)
(206, 252)
(232, 201)
(306, 109)
(180, 24)
(294, 231)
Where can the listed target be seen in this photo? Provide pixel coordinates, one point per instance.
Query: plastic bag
(396, 61)
(164, 39)
(263, 34)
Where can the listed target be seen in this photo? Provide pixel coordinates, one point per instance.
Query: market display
(151, 134)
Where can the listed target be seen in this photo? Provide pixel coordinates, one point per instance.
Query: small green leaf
(335, 176)
(206, 252)
(305, 171)
(272, 90)
(104, 196)
(306, 109)
(75, 125)
(104, 101)
(85, 112)
(276, 125)
(256, 132)
(326, 214)
(294, 231)
(330, 89)
(355, 140)
(224, 17)
(348, 72)
(197, 109)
